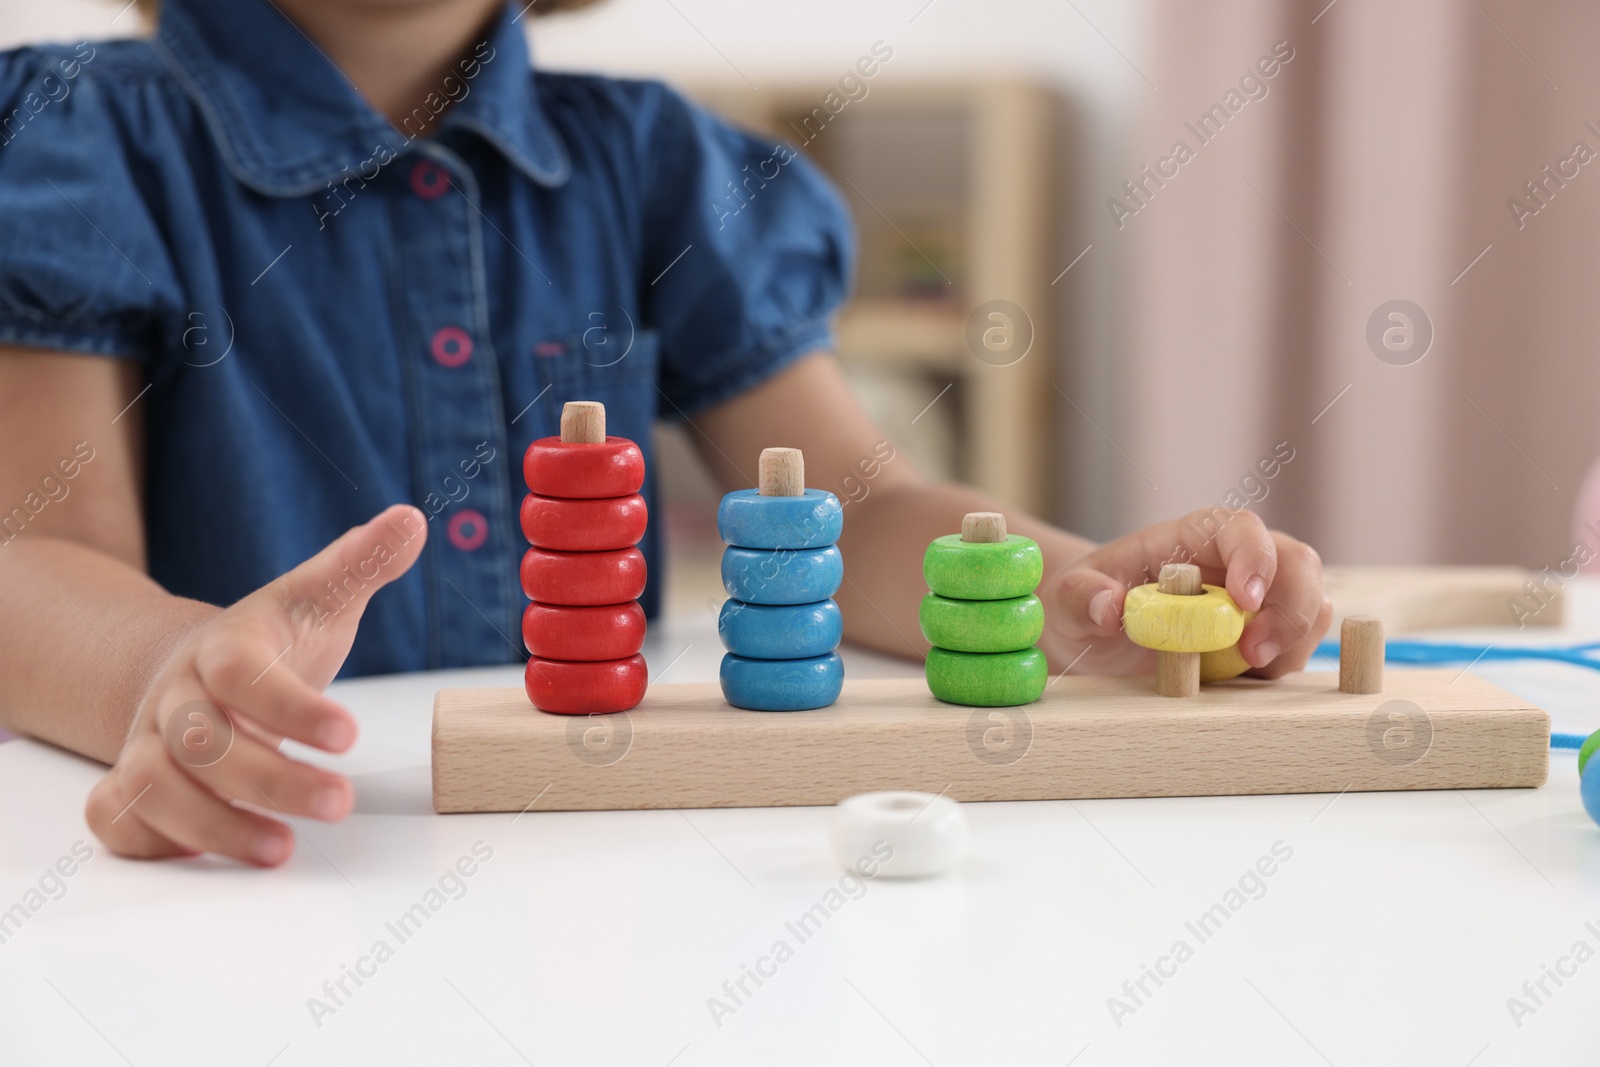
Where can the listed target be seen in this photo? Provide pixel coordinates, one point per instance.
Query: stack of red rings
(584, 517)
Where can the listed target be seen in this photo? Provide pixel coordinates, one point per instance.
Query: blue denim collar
(287, 120)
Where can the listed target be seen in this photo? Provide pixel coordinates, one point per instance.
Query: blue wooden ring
(782, 684)
(782, 576)
(780, 631)
(750, 520)
(1589, 790)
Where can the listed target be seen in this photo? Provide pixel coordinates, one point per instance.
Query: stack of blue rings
(781, 627)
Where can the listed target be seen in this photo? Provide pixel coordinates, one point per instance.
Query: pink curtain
(1374, 165)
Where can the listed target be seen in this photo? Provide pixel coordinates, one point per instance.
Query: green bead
(987, 679)
(982, 625)
(1588, 750)
(982, 570)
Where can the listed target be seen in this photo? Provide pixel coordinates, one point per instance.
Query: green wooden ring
(987, 679)
(1588, 750)
(982, 570)
(981, 625)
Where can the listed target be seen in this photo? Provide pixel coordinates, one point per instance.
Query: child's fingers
(109, 814)
(1289, 615)
(357, 564)
(187, 814)
(1246, 550)
(1086, 603)
(1296, 658)
(270, 738)
(265, 778)
(239, 673)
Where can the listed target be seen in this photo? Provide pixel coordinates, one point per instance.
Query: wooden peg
(583, 422)
(1179, 579)
(1361, 654)
(983, 526)
(781, 472)
(1178, 673)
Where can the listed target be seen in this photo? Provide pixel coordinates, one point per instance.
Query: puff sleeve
(83, 266)
(747, 254)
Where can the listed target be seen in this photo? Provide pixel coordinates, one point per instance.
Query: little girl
(286, 291)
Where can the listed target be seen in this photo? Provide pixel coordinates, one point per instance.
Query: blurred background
(1120, 260)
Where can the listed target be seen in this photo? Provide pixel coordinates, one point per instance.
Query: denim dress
(334, 314)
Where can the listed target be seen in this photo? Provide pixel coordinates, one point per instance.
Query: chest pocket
(613, 362)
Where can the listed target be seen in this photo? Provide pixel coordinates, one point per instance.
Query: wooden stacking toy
(1085, 736)
(584, 517)
(982, 615)
(781, 568)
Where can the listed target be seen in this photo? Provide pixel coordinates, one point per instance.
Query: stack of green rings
(983, 618)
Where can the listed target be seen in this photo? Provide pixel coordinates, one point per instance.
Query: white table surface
(1394, 934)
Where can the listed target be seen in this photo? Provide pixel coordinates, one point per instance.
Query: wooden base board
(1088, 737)
(1409, 599)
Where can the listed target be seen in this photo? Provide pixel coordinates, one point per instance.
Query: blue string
(1422, 652)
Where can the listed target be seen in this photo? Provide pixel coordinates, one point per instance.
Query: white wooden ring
(899, 834)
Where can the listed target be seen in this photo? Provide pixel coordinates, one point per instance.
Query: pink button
(429, 180)
(468, 529)
(452, 346)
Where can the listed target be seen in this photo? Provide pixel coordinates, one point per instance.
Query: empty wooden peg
(1361, 654)
(781, 472)
(1178, 673)
(985, 527)
(583, 422)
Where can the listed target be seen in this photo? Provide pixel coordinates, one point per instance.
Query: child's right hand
(187, 767)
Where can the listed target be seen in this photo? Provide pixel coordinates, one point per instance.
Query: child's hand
(1262, 569)
(187, 766)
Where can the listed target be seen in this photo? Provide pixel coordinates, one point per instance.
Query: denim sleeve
(747, 253)
(83, 266)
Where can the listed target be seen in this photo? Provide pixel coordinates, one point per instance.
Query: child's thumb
(362, 560)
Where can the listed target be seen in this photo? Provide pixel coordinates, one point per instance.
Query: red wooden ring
(583, 578)
(583, 525)
(565, 688)
(553, 467)
(608, 631)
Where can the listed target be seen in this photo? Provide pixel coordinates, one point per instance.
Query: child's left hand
(1264, 570)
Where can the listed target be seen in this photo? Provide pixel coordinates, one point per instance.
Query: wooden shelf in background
(902, 333)
(1005, 230)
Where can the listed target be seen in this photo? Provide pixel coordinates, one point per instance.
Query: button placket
(457, 410)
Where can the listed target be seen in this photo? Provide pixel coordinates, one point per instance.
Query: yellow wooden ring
(1167, 622)
(1224, 663)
